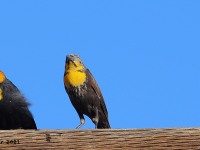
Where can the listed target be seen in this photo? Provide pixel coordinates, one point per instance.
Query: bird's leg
(82, 120)
(96, 118)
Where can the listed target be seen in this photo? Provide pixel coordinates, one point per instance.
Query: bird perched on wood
(84, 92)
(14, 112)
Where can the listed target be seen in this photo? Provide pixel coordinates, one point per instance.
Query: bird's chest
(75, 79)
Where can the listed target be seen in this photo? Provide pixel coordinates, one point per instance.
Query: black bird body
(86, 98)
(14, 112)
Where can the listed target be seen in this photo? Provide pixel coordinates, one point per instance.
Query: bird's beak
(71, 58)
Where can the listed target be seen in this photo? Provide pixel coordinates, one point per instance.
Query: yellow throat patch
(74, 76)
(1, 94)
(2, 77)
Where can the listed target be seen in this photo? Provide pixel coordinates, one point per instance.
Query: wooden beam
(177, 138)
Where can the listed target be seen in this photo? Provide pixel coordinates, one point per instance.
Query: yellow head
(73, 62)
(2, 76)
(74, 71)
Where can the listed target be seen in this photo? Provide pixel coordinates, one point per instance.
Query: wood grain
(175, 138)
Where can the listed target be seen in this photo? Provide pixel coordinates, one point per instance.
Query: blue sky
(143, 54)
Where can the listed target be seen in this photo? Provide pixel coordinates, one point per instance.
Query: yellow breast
(74, 78)
(2, 77)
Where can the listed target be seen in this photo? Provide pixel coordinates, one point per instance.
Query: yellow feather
(1, 95)
(2, 77)
(74, 76)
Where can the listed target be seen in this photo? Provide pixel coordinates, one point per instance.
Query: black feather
(14, 112)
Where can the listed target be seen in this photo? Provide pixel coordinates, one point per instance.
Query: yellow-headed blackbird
(84, 92)
(14, 112)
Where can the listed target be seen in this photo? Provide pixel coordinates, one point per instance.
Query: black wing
(102, 120)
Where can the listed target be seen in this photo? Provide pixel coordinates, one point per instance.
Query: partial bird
(14, 112)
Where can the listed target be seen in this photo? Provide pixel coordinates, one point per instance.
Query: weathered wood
(179, 138)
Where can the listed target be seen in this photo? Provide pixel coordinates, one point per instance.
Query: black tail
(103, 125)
(103, 121)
